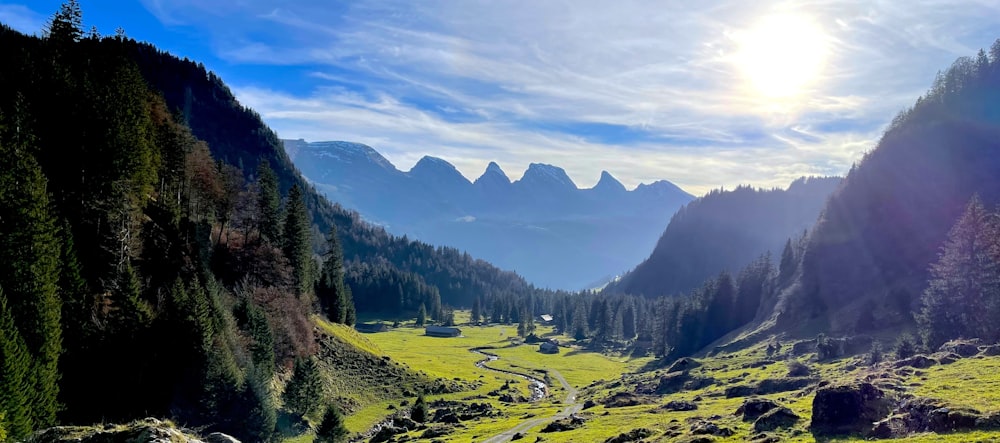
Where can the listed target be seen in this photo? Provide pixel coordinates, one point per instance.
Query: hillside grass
(972, 382)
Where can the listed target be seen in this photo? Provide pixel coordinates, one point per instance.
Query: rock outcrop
(149, 430)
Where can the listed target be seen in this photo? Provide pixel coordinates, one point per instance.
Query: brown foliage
(290, 324)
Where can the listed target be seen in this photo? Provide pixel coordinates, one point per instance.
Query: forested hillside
(725, 231)
(867, 262)
(237, 136)
(161, 255)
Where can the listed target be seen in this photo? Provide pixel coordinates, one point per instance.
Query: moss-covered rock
(848, 409)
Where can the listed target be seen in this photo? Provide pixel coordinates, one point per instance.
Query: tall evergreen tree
(476, 311)
(297, 240)
(302, 393)
(962, 298)
(332, 429)
(29, 250)
(421, 315)
(15, 381)
(269, 203)
(66, 26)
(330, 288)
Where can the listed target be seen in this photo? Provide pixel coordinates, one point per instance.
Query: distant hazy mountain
(725, 230)
(542, 225)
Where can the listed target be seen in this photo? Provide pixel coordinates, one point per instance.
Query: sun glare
(782, 55)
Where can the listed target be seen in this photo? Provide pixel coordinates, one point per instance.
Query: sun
(782, 55)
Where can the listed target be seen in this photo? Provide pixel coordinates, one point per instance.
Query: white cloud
(525, 81)
(22, 19)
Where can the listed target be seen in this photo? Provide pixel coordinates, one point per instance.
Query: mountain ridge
(532, 224)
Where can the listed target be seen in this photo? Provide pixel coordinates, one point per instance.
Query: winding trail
(570, 401)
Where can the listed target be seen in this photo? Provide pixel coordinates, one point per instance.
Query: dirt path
(571, 408)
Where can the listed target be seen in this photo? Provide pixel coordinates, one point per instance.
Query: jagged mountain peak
(609, 183)
(547, 175)
(493, 174)
(435, 168)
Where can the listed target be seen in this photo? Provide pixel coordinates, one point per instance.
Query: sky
(707, 94)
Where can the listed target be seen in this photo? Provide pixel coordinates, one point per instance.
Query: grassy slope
(968, 382)
(450, 357)
(971, 382)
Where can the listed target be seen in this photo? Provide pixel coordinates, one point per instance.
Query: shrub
(419, 411)
(905, 347)
(797, 369)
(875, 354)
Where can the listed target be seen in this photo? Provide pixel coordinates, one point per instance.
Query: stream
(537, 387)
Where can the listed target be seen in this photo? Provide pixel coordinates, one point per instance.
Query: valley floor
(594, 397)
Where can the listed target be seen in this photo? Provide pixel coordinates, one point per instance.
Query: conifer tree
(332, 429)
(302, 394)
(67, 23)
(269, 203)
(15, 382)
(29, 251)
(297, 244)
(421, 315)
(476, 311)
(963, 294)
(352, 314)
(330, 288)
(76, 309)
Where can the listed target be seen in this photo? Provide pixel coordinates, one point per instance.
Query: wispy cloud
(22, 19)
(646, 90)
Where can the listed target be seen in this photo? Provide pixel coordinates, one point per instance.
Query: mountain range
(725, 231)
(543, 226)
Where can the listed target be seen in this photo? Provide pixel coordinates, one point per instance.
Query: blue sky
(705, 94)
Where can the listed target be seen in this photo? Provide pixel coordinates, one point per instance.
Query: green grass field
(972, 382)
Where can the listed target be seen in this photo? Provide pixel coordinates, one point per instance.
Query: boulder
(633, 435)
(623, 399)
(679, 405)
(677, 381)
(965, 348)
(804, 347)
(917, 361)
(752, 408)
(948, 419)
(218, 437)
(847, 409)
(683, 364)
(780, 417)
(775, 385)
(739, 391)
(948, 358)
(704, 427)
(990, 350)
(891, 427)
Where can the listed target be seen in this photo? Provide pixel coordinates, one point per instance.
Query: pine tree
(15, 381)
(254, 321)
(476, 311)
(421, 315)
(962, 296)
(29, 251)
(302, 394)
(352, 314)
(67, 23)
(332, 429)
(269, 203)
(297, 244)
(330, 288)
(77, 308)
